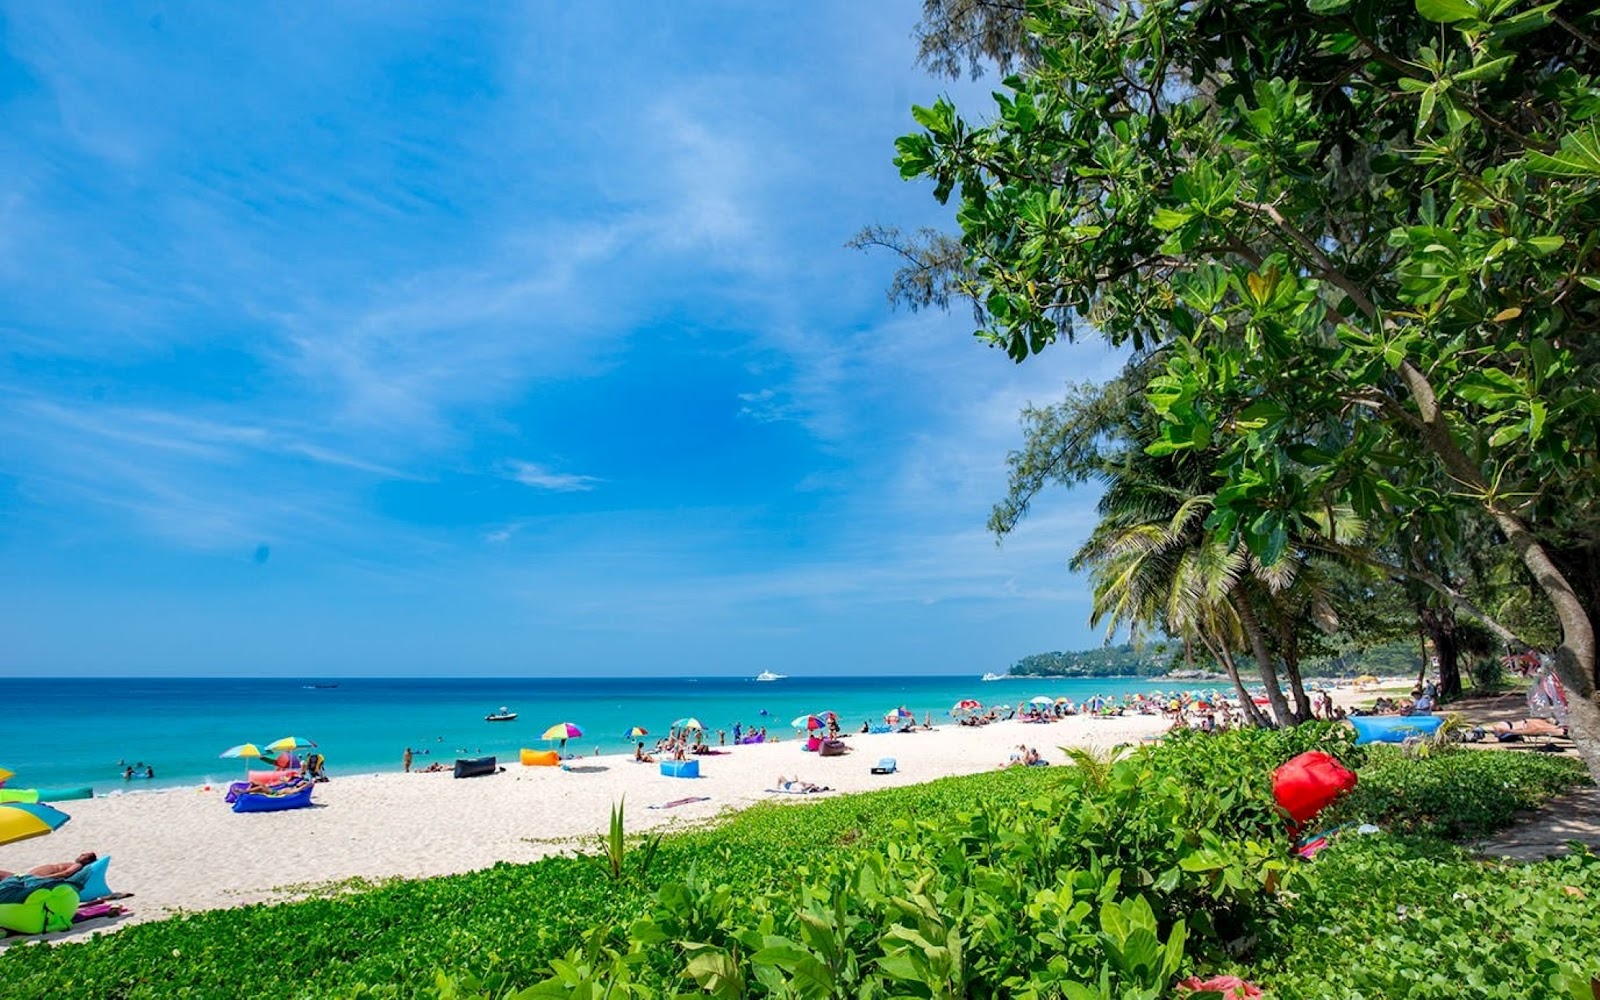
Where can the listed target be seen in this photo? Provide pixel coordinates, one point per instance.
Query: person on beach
(737, 729)
(128, 774)
(150, 771)
(642, 757)
(61, 869)
(405, 760)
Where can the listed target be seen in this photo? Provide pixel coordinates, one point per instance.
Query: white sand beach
(186, 850)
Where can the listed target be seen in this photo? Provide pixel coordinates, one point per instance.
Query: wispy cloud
(541, 478)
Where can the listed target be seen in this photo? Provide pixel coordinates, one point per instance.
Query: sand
(186, 850)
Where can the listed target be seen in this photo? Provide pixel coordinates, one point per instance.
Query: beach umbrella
(21, 820)
(4, 775)
(807, 722)
(638, 731)
(1042, 700)
(966, 705)
(243, 750)
(900, 714)
(1063, 700)
(291, 743)
(690, 723)
(561, 731)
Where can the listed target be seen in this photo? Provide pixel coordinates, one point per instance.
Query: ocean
(69, 732)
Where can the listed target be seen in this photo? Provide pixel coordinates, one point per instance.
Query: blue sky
(378, 338)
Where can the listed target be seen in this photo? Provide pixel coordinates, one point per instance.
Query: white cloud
(541, 478)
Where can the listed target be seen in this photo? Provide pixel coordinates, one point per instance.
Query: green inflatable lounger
(47, 908)
(46, 794)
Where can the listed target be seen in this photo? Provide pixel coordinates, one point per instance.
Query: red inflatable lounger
(1307, 784)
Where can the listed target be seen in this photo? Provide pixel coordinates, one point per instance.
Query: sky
(419, 339)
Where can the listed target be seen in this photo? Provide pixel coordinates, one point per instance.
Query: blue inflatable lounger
(885, 766)
(681, 768)
(1393, 728)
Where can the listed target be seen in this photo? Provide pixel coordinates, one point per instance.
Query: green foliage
(1455, 794)
(1355, 238)
(614, 846)
(1126, 660)
(1107, 878)
(1385, 917)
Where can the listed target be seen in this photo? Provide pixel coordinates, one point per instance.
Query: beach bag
(1307, 784)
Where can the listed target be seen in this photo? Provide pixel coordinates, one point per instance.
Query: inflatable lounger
(45, 794)
(540, 758)
(681, 768)
(1393, 728)
(886, 765)
(45, 909)
(832, 748)
(474, 767)
(274, 801)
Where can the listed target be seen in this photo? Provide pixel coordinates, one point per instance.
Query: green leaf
(1491, 70)
(1167, 219)
(1446, 11)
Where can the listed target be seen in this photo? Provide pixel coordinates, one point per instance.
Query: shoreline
(184, 850)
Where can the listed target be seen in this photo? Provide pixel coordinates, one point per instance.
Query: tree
(1366, 234)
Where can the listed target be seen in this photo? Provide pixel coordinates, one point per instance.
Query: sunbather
(60, 869)
(796, 785)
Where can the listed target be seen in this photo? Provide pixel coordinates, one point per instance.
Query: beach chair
(885, 766)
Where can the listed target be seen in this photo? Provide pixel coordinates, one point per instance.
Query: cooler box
(681, 768)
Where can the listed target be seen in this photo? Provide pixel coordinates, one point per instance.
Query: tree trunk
(1575, 657)
(1440, 627)
(1291, 669)
(1258, 648)
(1251, 714)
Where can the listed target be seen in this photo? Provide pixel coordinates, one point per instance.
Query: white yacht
(994, 677)
(767, 675)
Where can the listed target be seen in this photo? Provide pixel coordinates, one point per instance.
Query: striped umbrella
(4, 776)
(690, 723)
(291, 743)
(807, 722)
(21, 820)
(897, 715)
(638, 731)
(561, 731)
(1041, 700)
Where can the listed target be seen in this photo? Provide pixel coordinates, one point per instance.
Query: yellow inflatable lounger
(540, 758)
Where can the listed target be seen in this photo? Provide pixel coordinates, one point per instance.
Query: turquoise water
(59, 732)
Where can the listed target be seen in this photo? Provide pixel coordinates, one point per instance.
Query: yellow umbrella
(21, 820)
(4, 775)
(291, 743)
(243, 750)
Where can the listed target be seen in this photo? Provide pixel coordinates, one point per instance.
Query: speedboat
(504, 715)
(767, 675)
(994, 677)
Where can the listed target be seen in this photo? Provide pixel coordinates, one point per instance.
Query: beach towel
(675, 803)
(799, 791)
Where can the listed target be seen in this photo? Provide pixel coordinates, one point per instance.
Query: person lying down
(796, 785)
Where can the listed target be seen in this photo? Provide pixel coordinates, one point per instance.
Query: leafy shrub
(1452, 793)
(1488, 674)
(1390, 917)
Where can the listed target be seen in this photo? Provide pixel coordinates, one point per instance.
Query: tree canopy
(1362, 232)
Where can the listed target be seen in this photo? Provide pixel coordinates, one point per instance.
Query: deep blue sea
(67, 732)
